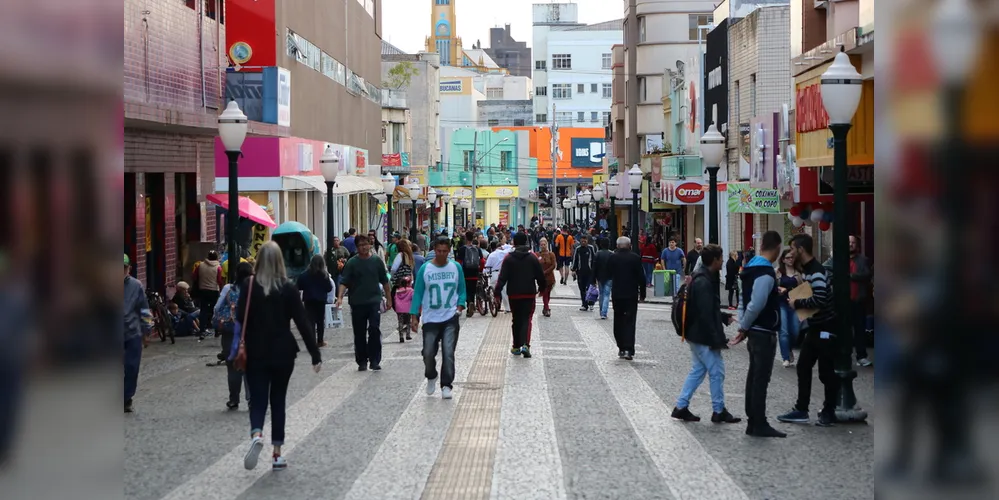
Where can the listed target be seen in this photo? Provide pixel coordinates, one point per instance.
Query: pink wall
(289, 154)
(260, 158)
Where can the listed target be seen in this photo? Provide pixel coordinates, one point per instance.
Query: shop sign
(745, 199)
(451, 87)
(683, 193)
(587, 153)
(689, 193)
(810, 113)
(860, 180)
(504, 218)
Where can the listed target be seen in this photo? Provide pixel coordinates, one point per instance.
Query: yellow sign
(811, 130)
(599, 178)
(484, 192)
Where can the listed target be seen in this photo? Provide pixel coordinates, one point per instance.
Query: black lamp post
(713, 151)
(329, 166)
(232, 131)
(635, 183)
(431, 200)
(583, 200)
(841, 89)
(388, 184)
(598, 196)
(612, 189)
(414, 195)
(446, 201)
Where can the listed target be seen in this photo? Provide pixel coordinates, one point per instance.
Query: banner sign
(587, 153)
(451, 87)
(745, 199)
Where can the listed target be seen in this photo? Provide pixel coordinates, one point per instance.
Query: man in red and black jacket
(523, 277)
(470, 259)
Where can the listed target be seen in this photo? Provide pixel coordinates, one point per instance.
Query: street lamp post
(566, 205)
(584, 198)
(388, 184)
(712, 151)
(329, 166)
(232, 131)
(464, 203)
(841, 88)
(432, 200)
(635, 183)
(446, 201)
(612, 188)
(414, 195)
(598, 197)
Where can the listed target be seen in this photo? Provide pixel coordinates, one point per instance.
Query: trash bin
(660, 282)
(671, 285)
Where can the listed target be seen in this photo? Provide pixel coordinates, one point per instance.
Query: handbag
(239, 363)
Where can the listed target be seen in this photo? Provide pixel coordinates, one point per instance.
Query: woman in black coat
(732, 279)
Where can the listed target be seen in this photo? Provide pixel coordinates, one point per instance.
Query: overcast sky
(406, 23)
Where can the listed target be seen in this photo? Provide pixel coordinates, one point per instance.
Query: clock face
(443, 29)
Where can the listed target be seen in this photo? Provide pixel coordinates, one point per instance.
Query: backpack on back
(679, 312)
(223, 317)
(470, 264)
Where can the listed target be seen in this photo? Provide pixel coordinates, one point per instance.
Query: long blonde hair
(406, 250)
(270, 272)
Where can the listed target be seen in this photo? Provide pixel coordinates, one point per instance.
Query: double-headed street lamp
(465, 205)
(598, 197)
(612, 189)
(388, 184)
(712, 152)
(568, 203)
(232, 131)
(432, 200)
(635, 183)
(446, 200)
(841, 88)
(414, 189)
(584, 197)
(329, 166)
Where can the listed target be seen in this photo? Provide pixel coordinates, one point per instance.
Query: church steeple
(443, 37)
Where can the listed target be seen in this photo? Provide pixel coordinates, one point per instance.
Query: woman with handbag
(225, 325)
(268, 302)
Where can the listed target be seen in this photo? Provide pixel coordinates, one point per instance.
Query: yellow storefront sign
(812, 134)
(484, 192)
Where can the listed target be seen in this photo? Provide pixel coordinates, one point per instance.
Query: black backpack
(679, 312)
(470, 262)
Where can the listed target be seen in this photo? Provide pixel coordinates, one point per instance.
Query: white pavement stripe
(690, 471)
(227, 479)
(402, 464)
(528, 463)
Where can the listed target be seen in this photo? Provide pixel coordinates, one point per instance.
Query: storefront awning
(303, 183)
(345, 184)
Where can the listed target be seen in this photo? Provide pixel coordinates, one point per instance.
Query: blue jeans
(268, 385)
(649, 267)
(705, 362)
(605, 291)
(132, 359)
(789, 328)
(366, 320)
(444, 335)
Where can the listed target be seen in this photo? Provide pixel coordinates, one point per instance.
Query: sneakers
(864, 362)
(546, 312)
(685, 415)
(515, 351)
(446, 393)
(621, 354)
(253, 454)
(409, 336)
(362, 368)
(279, 463)
(724, 418)
(526, 351)
(584, 308)
(788, 363)
(629, 355)
(765, 431)
(128, 406)
(826, 419)
(431, 386)
(603, 317)
(232, 406)
(376, 367)
(322, 344)
(794, 417)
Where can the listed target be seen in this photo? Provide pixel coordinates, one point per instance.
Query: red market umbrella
(247, 208)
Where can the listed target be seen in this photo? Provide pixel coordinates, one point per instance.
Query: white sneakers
(431, 386)
(250, 459)
(446, 393)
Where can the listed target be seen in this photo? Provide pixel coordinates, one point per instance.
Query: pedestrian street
(572, 422)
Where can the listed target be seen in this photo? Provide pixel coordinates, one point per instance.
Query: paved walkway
(572, 422)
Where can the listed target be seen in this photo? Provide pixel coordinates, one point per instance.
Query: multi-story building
(174, 58)
(324, 73)
(660, 34)
(508, 53)
(572, 67)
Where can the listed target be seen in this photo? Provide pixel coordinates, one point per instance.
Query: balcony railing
(682, 167)
(394, 99)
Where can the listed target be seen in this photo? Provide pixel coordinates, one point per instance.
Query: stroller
(402, 300)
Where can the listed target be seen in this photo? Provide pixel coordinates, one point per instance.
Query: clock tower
(443, 37)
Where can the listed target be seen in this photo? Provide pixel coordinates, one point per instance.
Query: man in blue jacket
(138, 322)
(759, 309)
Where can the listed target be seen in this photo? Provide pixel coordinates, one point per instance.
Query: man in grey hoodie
(759, 310)
(138, 322)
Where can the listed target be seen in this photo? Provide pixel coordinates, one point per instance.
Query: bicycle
(489, 295)
(481, 304)
(161, 318)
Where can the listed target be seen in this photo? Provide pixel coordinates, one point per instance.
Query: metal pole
(632, 146)
(412, 230)
(330, 228)
(612, 222)
(713, 232)
(233, 215)
(846, 406)
(475, 168)
(634, 220)
(554, 148)
(432, 220)
(389, 225)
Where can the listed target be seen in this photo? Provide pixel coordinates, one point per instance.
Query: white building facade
(572, 67)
